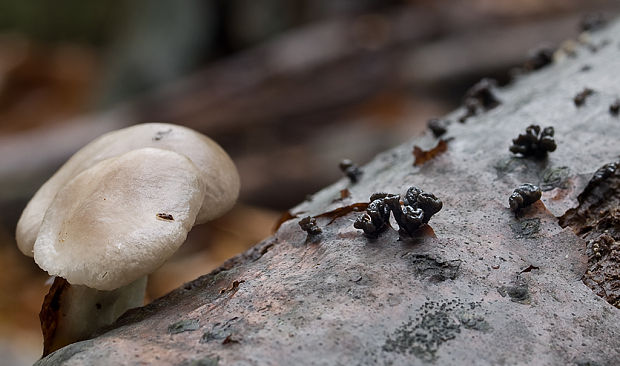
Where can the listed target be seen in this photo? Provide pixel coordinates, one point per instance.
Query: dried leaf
(422, 156)
(50, 314)
(341, 211)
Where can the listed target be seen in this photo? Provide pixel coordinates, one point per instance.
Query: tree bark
(486, 288)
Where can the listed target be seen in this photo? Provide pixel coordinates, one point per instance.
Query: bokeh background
(287, 87)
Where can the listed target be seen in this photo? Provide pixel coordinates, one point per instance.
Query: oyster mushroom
(108, 222)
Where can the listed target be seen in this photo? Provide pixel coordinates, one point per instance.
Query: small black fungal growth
(592, 22)
(614, 108)
(165, 216)
(539, 58)
(308, 224)
(471, 108)
(376, 219)
(534, 142)
(482, 94)
(160, 134)
(599, 177)
(186, 325)
(585, 68)
(438, 126)
(581, 97)
(417, 210)
(351, 170)
(523, 196)
(98, 306)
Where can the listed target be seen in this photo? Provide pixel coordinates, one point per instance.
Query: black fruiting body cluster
(534, 142)
(417, 209)
(523, 196)
(308, 224)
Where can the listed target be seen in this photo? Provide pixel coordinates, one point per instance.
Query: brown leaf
(50, 314)
(341, 211)
(422, 156)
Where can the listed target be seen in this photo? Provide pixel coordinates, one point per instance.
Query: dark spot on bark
(98, 306)
(438, 126)
(518, 291)
(581, 97)
(433, 269)
(221, 331)
(614, 108)
(534, 142)
(434, 324)
(526, 228)
(165, 216)
(350, 170)
(524, 196)
(205, 361)
(308, 224)
(186, 325)
(585, 68)
(555, 178)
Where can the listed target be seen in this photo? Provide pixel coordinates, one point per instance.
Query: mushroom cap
(217, 170)
(120, 219)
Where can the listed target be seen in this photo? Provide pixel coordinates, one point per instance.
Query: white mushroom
(114, 213)
(216, 168)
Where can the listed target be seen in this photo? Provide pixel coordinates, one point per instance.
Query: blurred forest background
(288, 88)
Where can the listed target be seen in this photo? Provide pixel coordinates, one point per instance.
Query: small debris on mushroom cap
(581, 97)
(308, 224)
(534, 142)
(351, 170)
(523, 196)
(614, 108)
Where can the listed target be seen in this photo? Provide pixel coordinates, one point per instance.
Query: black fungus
(539, 58)
(377, 216)
(482, 93)
(592, 22)
(614, 108)
(438, 126)
(417, 209)
(585, 68)
(581, 97)
(534, 142)
(308, 224)
(351, 170)
(523, 196)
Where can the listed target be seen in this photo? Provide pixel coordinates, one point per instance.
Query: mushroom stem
(71, 313)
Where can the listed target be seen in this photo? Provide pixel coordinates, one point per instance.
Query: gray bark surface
(487, 288)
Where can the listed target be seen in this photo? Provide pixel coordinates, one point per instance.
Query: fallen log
(483, 287)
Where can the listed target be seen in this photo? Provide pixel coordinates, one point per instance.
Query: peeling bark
(487, 289)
